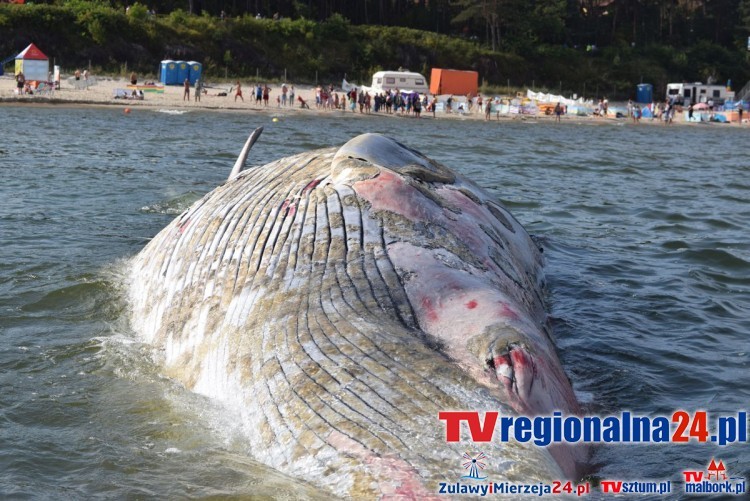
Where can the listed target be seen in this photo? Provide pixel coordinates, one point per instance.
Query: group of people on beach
(262, 94)
(408, 103)
(388, 101)
(23, 86)
(199, 90)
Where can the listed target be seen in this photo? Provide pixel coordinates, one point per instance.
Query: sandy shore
(102, 92)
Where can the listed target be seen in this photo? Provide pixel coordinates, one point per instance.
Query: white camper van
(404, 81)
(687, 93)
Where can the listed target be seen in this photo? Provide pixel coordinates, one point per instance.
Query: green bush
(138, 12)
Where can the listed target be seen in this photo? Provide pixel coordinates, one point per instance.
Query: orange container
(454, 82)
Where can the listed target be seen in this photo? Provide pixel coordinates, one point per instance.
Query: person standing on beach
(186, 93)
(668, 110)
(740, 110)
(238, 93)
(488, 110)
(266, 92)
(20, 82)
(198, 90)
(558, 111)
(258, 94)
(133, 79)
(291, 95)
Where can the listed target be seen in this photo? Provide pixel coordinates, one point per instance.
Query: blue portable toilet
(168, 72)
(644, 93)
(195, 70)
(183, 71)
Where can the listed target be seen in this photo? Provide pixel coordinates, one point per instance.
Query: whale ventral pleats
(340, 299)
(360, 158)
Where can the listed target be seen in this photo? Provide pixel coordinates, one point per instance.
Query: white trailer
(404, 81)
(697, 92)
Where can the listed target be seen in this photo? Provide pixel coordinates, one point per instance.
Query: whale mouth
(515, 370)
(528, 385)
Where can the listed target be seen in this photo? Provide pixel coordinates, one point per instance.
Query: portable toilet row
(175, 72)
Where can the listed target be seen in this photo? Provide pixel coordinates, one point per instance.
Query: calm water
(645, 230)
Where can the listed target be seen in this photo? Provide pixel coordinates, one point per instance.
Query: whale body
(341, 299)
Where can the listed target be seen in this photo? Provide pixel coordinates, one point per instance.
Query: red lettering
(611, 486)
(693, 476)
(479, 432)
(682, 419)
(699, 429)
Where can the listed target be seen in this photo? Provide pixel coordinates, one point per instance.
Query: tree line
(588, 47)
(512, 24)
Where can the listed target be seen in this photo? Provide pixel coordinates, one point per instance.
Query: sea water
(645, 231)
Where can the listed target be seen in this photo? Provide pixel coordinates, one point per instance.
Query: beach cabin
(405, 81)
(33, 63)
(697, 92)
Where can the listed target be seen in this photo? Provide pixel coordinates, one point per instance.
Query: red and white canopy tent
(33, 63)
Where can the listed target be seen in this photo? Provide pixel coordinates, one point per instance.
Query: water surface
(645, 231)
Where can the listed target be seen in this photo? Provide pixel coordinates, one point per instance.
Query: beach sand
(102, 92)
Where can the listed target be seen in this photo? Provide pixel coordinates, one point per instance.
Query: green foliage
(537, 45)
(177, 17)
(335, 28)
(138, 12)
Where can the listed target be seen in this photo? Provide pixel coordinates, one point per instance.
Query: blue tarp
(6, 61)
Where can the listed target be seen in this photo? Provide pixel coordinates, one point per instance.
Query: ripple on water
(647, 270)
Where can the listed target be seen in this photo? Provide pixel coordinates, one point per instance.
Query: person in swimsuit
(20, 82)
(238, 93)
